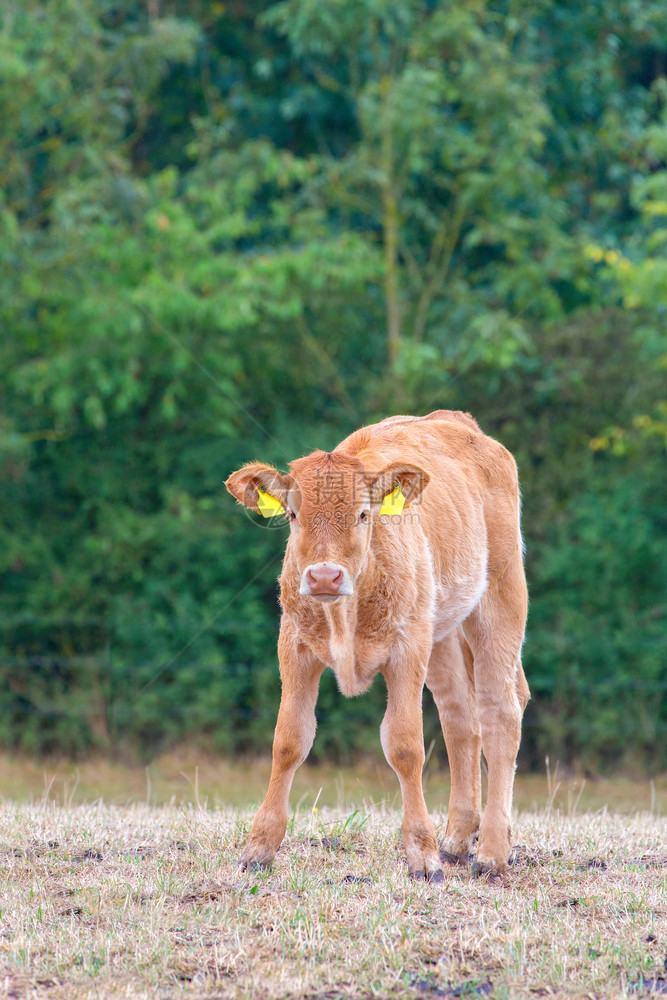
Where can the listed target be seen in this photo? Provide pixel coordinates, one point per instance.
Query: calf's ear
(410, 478)
(245, 484)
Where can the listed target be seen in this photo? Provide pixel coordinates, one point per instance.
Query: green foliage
(237, 233)
(443, 170)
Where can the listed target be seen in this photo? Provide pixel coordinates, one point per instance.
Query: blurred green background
(239, 230)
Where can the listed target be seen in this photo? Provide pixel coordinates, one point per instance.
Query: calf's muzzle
(325, 580)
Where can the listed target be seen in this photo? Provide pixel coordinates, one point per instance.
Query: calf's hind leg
(450, 681)
(495, 633)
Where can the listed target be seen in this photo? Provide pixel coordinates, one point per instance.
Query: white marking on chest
(354, 664)
(341, 649)
(456, 597)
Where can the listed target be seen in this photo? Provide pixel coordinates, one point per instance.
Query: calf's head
(330, 500)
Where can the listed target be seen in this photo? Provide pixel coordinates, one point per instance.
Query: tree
(443, 171)
(238, 232)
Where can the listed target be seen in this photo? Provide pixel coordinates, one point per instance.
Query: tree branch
(440, 258)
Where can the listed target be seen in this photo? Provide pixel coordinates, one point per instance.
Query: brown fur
(439, 597)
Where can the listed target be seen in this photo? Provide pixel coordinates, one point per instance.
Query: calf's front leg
(294, 735)
(402, 739)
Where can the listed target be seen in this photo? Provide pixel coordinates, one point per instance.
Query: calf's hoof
(451, 858)
(490, 869)
(254, 866)
(437, 876)
(456, 846)
(256, 857)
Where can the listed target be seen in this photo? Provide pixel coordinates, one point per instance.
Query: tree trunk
(390, 223)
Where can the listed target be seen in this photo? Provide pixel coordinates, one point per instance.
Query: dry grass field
(142, 901)
(179, 778)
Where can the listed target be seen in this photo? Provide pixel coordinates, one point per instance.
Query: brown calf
(435, 595)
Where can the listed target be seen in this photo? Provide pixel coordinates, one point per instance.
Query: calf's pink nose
(324, 580)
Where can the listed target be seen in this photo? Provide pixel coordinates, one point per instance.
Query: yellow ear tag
(394, 502)
(268, 505)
